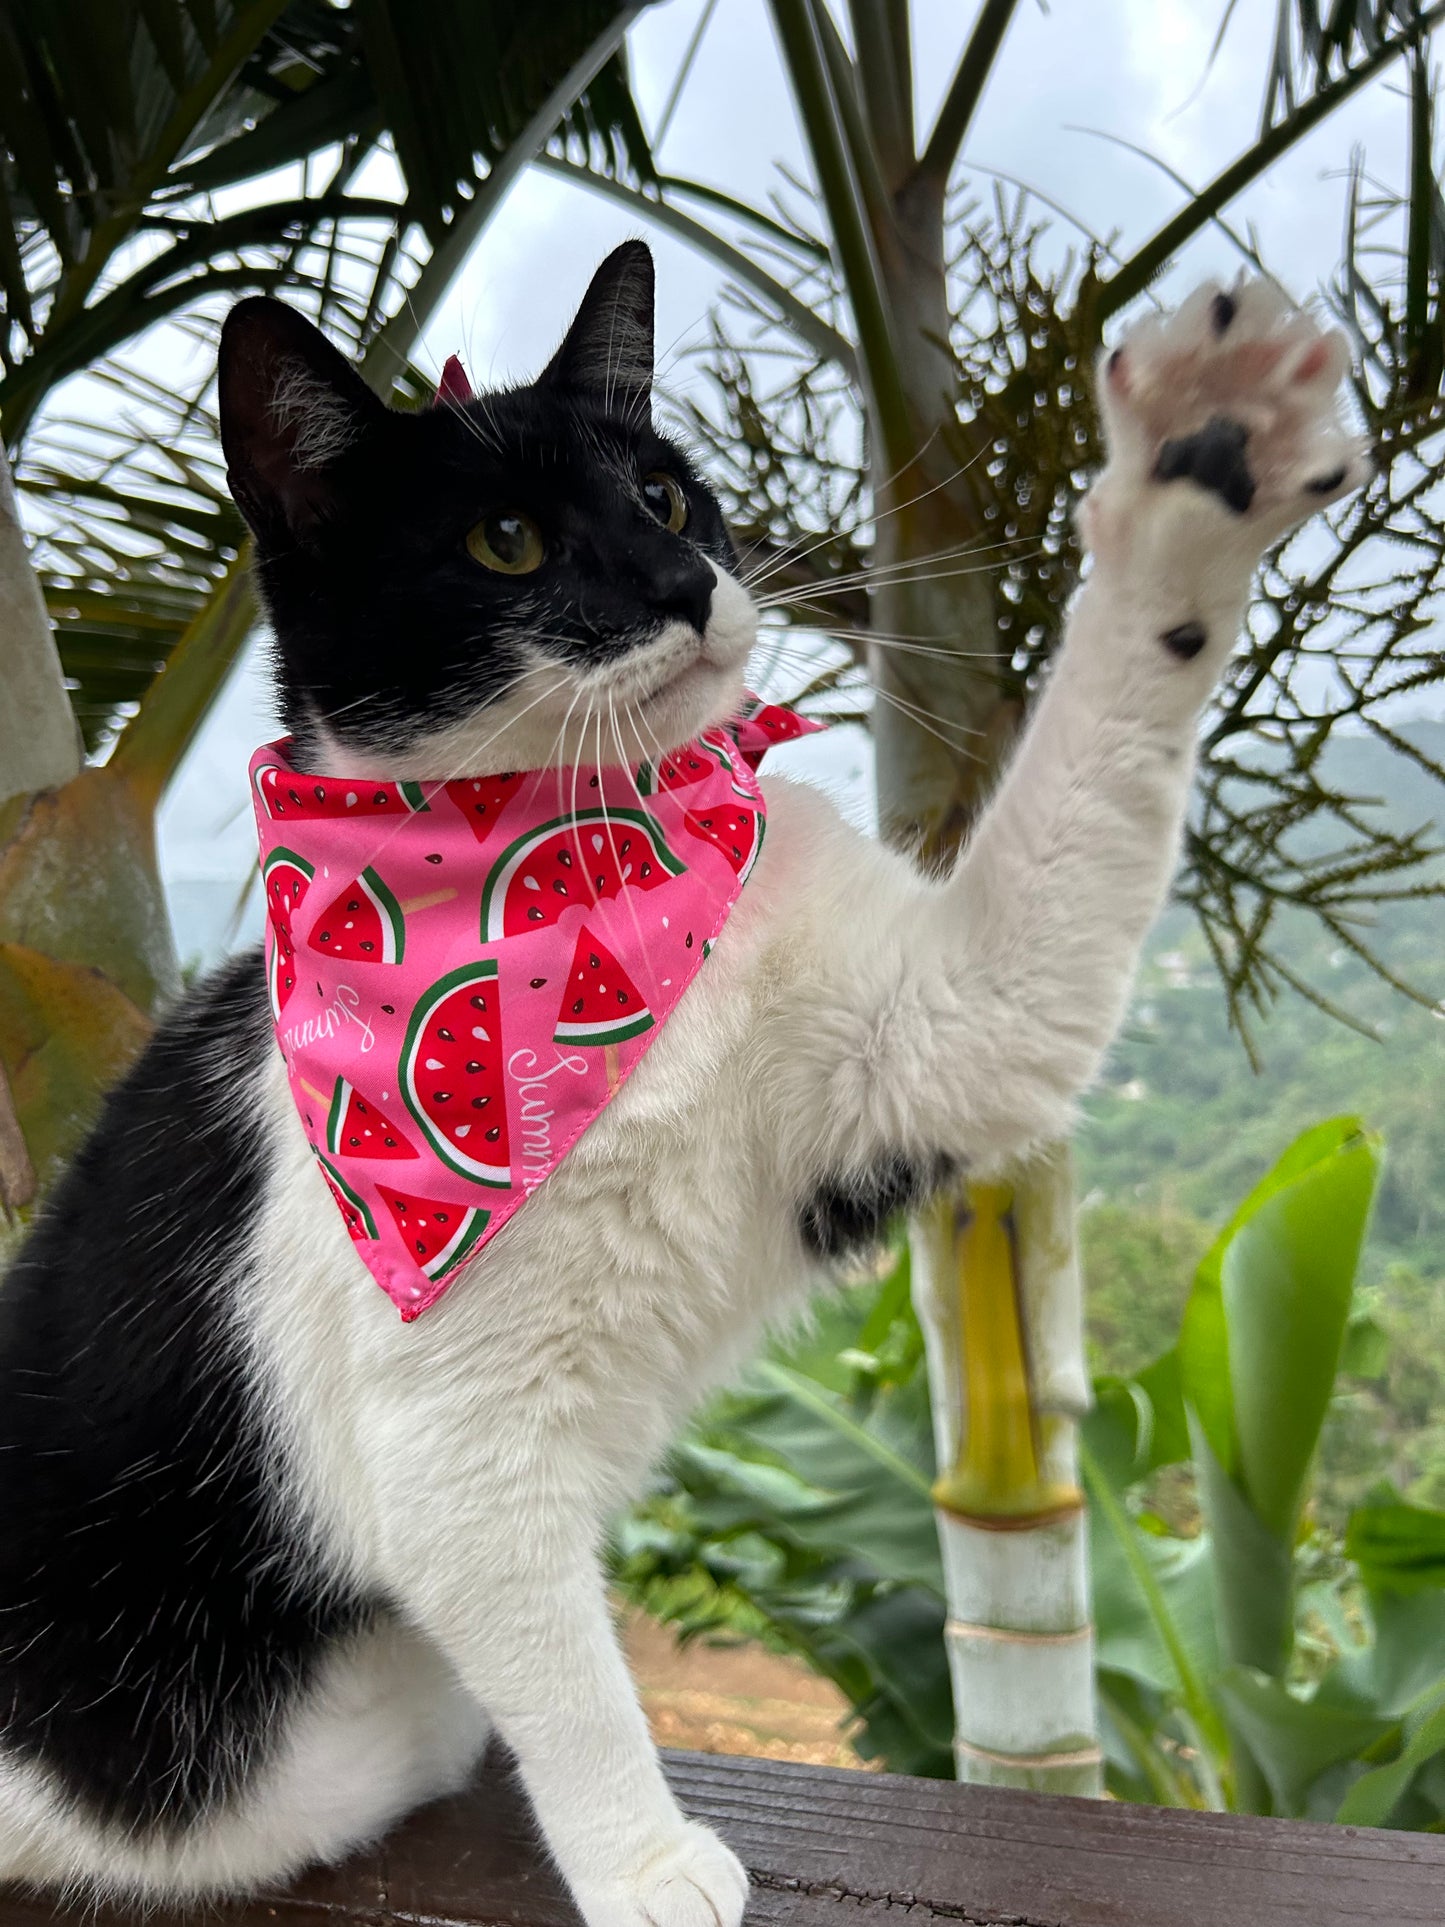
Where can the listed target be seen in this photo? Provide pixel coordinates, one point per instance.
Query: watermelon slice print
(481, 799)
(581, 859)
(284, 794)
(734, 830)
(281, 969)
(601, 1004)
(356, 1128)
(359, 1221)
(439, 1236)
(451, 1073)
(782, 725)
(362, 924)
(682, 768)
(287, 878)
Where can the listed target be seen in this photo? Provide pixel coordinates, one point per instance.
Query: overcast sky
(1138, 70)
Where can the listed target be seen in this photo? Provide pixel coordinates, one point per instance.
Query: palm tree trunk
(995, 1266)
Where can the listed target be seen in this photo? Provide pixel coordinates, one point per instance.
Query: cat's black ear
(290, 407)
(607, 355)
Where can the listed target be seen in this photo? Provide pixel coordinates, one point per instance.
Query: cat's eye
(666, 500)
(508, 542)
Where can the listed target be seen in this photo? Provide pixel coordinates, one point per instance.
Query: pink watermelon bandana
(463, 973)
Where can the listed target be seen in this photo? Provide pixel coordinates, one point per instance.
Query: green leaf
(1259, 1352)
(1397, 1546)
(1253, 1569)
(1136, 1425)
(1154, 1609)
(860, 1495)
(1372, 1799)
(1293, 1741)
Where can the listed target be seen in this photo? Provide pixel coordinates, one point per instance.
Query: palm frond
(1341, 633)
(121, 126)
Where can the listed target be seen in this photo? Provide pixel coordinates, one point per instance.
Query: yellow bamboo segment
(995, 1481)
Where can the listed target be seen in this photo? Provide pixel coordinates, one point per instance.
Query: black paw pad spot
(1325, 484)
(1222, 310)
(1186, 640)
(1214, 458)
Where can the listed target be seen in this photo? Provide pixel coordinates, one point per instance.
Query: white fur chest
(633, 1280)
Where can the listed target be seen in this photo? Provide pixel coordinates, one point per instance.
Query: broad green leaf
(1259, 1353)
(1253, 1569)
(1402, 1664)
(1138, 1424)
(900, 1635)
(1132, 1634)
(1288, 1282)
(1372, 1799)
(1264, 1326)
(1293, 1741)
(866, 1499)
(1397, 1545)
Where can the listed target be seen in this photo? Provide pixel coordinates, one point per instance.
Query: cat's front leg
(521, 1610)
(966, 1020)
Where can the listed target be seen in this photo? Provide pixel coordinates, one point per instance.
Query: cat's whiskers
(928, 719)
(625, 764)
(756, 578)
(883, 639)
(905, 572)
(469, 768)
(562, 765)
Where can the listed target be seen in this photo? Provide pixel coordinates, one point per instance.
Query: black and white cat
(272, 1565)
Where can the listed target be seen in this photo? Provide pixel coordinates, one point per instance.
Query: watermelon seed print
(441, 1236)
(358, 1129)
(286, 877)
(601, 1004)
(535, 879)
(683, 768)
(735, 832)
(451, 1073)
(281, 797)
(364, 923)
(482, 799)
(281, 974)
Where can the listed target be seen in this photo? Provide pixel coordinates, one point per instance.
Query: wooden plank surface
(836, 1849)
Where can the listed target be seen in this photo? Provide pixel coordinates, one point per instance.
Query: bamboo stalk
(996, 1290)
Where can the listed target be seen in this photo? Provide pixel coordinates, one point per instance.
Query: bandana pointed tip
(453, 385)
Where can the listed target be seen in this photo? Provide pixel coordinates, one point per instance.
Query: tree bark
(995, 1269)
(39, 742)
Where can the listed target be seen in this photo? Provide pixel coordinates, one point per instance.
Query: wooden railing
(836, 1849)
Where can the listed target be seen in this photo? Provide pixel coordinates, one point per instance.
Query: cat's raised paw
(694, 1881)
(1237, 394)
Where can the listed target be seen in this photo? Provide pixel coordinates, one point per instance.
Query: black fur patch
(370, 544)
(1213, 457)
(848, 1213)
(1185, 640)
(154, 1619)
